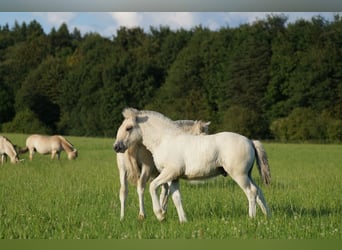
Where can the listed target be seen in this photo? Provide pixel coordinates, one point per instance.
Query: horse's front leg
(163, 178)
(123, 185)
(177, 200)
(144, 176)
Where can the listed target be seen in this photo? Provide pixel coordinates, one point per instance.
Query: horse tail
(23, 150)
(262, 162)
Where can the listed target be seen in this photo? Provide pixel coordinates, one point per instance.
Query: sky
(107, 23)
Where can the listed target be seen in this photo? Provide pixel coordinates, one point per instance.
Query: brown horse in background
(53, 145)
(7, 149)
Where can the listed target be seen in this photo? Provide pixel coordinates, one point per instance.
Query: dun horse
(136, 165)
(178, 155)
(7, 149)
(53, 145)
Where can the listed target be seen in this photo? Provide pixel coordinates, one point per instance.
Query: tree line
(269, 80)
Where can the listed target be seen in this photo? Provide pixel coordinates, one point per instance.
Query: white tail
(262, 162)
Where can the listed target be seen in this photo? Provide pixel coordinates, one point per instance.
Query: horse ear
(129, 112)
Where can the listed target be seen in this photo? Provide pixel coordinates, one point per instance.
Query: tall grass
(46, 199)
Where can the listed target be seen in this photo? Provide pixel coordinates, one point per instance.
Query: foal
(137, 166)
(177, 155)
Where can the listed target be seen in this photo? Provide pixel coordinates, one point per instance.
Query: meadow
(51, 199)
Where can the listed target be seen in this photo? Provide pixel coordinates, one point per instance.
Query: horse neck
(9, 149)
(66, 145)
(153, 131)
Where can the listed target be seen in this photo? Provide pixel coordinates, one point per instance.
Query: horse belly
(46, 147)
(43, 150)
(201, 168)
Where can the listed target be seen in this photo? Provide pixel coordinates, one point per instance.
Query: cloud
(174, 20)
(57, 18)
(127, 19)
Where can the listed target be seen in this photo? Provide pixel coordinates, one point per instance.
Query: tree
(25, 122)
(40, 91)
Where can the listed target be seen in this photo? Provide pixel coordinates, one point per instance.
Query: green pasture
(46, 199)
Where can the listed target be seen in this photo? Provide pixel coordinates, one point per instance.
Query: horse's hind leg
(31, 152)
(250, 190)
(164, 196)
(261, 201)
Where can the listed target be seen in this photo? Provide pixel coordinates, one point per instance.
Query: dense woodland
(267, 80)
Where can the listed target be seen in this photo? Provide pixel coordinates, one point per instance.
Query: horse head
(201, 127)
(128, 132)
(73, 154)
(15, 159)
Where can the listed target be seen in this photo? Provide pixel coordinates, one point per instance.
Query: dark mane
(168, 122)
(185, 122)
(6, 139)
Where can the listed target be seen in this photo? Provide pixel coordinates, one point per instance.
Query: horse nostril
(117, 147)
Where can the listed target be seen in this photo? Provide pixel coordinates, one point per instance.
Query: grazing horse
(178, 155)
(7, 149)
(136, 165)
(49, 145)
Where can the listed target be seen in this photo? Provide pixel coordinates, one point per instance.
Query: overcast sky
(106, 23)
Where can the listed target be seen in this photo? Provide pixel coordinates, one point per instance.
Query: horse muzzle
(119, 147)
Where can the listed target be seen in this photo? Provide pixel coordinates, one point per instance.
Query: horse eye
(129, 129)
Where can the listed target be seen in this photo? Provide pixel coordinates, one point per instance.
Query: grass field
(64, 199)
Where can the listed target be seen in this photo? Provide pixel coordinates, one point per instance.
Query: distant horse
(7, 149)
(178, 155)
(53, 145)
(136, 165)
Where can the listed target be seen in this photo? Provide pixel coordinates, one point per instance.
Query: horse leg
(164, 177)
(123, 188)
(250, 190)
(177, 200)
(164, 196)
(53, 153)
(144, 176)
(31, 153)
(261, 200)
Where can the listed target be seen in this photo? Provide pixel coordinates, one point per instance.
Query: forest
(271, 79)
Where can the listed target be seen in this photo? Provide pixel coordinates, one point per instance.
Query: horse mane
(13, 146)
(4, 137)
(185, 122)
(134, 113)
(66, 143)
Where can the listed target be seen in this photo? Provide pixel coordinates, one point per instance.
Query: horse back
(43, 144)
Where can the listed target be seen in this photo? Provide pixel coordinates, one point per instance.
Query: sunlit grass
(64, 199)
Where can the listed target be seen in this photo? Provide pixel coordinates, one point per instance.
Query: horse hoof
(161, 217)
(141, 217)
